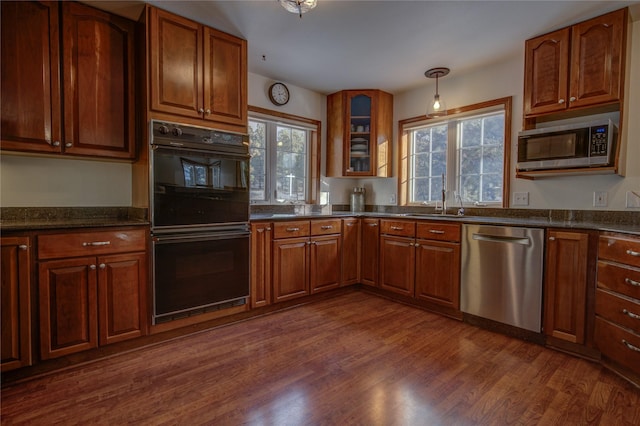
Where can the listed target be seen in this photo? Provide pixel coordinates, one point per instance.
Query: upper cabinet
(67, 80)
(359, 133)
(576, 67)
(197, 73)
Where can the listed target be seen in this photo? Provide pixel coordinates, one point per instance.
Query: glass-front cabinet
(359, 133)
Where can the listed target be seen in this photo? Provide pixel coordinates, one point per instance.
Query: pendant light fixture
(298, 6)
(437, 107)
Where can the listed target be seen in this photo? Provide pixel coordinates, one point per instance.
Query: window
(281, 150)
(466, 151)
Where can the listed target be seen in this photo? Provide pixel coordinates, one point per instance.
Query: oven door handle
(168, 239)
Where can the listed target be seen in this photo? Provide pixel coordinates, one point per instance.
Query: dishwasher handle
(525, 241)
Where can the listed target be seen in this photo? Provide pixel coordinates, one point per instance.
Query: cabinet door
(260, 264)
(359, 149)
(438, 273)
(175, 45)
(122, 283)
(370, 248)
(597, 59)
(225, 78)
(30, 76)
(290, 268)
(350, 251)
(325, 263)
(16, 305)
(98, 70)
(546, 73)
(397, 264)
(566, 285)
(68, 308)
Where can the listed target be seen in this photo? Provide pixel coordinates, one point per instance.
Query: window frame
(313, 150)
(452, 118)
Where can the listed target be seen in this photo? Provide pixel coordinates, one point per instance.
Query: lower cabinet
(306, 257)
(351, 251)
(16, 304)
(565, 286)
(397, 264)
(92, 289)
(370, 249)
(260, 264)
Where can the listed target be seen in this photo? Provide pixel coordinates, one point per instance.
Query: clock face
(279, 94)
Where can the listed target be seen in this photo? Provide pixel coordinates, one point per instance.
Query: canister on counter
(357, 200)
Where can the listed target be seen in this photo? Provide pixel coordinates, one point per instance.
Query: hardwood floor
(353, 359)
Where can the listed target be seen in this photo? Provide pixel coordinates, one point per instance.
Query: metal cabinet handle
(435, 231)
(293, 229)
(571, 99)
(372, 224)
(56, 143)
(92, 267)
(552, 238)
(23, 247)
(68, 145)
(96, 243)
(208, 111)
(397, 228)
(326, 227)
(630, 314)
(350, 223)
(633, 253)
(632, 282)
(560, 101)
(630, 346)
(201, 110)
(102, 266)
(267, 229)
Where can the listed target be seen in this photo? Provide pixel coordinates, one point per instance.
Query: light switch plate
(520, 198)
(600, 199)
(633, 199)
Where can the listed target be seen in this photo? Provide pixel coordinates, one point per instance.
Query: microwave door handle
(170, 239)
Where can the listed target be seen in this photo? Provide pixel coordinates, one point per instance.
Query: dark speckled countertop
(40, 218)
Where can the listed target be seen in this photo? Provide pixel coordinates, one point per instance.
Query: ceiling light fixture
(437, 108)
(298, 6)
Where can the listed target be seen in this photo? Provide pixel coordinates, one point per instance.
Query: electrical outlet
(392, 199)
(600, 199)
(520, 198)
(633, 199)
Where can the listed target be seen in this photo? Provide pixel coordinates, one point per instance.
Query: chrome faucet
(461, 209)
(444, 197)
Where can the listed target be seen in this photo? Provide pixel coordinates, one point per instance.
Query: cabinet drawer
(398, 227)
(52, 246)
(618, 344)
(624, 280)
(300, 228)
(328, 226)
(438, 231)
(619, 310)
(620, 249)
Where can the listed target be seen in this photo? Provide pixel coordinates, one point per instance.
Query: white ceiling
(388, 45)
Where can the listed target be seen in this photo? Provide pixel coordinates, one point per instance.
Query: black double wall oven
(199, 199)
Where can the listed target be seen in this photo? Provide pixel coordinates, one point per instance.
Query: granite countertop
(618, 224)
(36, 218)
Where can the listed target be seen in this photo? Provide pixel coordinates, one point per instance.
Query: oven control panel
(186, 136)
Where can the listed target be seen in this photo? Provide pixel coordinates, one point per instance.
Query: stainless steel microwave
(590, 144)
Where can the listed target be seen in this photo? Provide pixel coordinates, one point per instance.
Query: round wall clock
(278, 94)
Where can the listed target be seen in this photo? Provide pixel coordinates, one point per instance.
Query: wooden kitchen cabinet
(351, 250)
(260, 264)
(92, 289)
(576, 67)
(617, 328)
(196, 72)
(565, 288)
(359, 133)
(16, 302)
(370, 246)
(438, 264)
(397, 256)
(68, 84)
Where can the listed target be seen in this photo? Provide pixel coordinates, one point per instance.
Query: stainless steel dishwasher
(501, 276)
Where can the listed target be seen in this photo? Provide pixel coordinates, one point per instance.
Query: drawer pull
(632, 282)
(96, 243)
(293, 229)
(435, 231)
(372, 224)
(102, 266)
(326, 227)
(630, 314)
(23, 247)
(397, 228)
(92, 267)
(630, 346)
(633, 253)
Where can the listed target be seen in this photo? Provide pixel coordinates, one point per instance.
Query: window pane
(258, 163)
(470, 161)
(492, 188)
(471, 132)
(428, 163)
(470, 188)
(284, 138)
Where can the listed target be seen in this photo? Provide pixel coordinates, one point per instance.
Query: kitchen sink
(436, 215)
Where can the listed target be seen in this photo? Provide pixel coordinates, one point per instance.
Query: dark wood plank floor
(353, 359)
